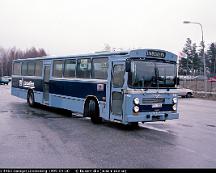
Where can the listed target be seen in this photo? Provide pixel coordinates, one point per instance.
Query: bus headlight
(136, 101)
(175, 100)
(174, 107)
(136, 109)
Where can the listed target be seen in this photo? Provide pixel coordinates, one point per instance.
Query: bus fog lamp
(136, 109)
(136, 101)
(174, 107)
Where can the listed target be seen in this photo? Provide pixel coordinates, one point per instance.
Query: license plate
(157, 105)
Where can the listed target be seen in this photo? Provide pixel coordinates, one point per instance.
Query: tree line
(8, 55)
(192, 62)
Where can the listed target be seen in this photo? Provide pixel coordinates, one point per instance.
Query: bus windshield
(151, 74)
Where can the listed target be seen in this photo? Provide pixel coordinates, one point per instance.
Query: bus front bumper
(152, 116)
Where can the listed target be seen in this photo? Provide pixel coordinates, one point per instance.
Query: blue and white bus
(127, 87)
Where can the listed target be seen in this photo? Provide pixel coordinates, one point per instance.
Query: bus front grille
(147, 101)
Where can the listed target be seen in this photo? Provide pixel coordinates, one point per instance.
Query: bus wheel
(30, 99)
(93, 112)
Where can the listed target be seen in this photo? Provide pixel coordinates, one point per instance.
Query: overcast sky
(64, 27)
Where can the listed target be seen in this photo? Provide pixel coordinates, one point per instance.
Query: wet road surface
(48, 138)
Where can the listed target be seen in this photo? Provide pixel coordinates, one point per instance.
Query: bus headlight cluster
(136, 104)
(175, 100)
(136, 109)
(136, 101)
(174, 107)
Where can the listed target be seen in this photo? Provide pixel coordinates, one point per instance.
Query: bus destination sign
(153, 53)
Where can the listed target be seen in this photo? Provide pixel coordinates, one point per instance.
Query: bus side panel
(103, 110)
(66, 102)
(21, 93)
(73, 103)
(63, 94)
(77, 89)
(71, 95)
(20, 88)
(38, 96)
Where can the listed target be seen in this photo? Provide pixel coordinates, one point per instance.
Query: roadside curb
(205, 95)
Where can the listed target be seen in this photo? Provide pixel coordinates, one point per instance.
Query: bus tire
(93, 112)
(30, 99)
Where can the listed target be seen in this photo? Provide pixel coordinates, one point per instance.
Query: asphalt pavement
(49, 138)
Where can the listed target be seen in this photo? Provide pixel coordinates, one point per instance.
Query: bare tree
(8, 55)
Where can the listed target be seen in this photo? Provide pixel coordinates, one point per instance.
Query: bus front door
(46, 79)
(117, 96)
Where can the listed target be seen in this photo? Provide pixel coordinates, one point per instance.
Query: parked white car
(4, 81)
(185, 92)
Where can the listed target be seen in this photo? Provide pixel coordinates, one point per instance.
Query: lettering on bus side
(26, 84)
(153, 53)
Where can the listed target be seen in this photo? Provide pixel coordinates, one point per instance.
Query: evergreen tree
(211, 57)
(185, 64)
(196, 61)
(200, 55)
(192, 64)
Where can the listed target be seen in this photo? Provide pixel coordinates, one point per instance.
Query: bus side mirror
(128, 66)
(177, 81)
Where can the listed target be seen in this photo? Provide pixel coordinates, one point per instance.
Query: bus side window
(84, 68)
(38, 68)
(70, 68)
(118, 76)
(100, 66)
(16, 68)
(31, 68)
(24, 69)
(57, 68)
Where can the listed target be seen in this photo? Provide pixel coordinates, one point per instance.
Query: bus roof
(137, 53)
(103, 53)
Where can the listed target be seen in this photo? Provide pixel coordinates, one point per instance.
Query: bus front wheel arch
(30, 98)
(91, 109)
